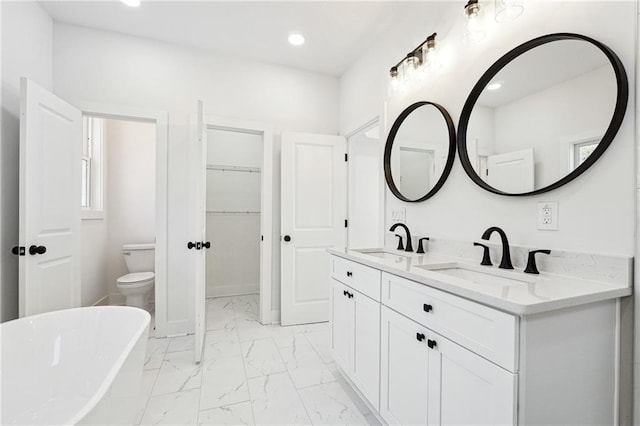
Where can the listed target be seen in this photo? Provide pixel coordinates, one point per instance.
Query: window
(581, 151)
(92, 144)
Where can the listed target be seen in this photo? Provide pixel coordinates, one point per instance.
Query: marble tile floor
(250, 374)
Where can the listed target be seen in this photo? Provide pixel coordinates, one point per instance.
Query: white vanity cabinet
(421, 355)
(427, 379)
(355, 326)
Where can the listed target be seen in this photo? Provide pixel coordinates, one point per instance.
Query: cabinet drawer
(359, 277)
(486, 331)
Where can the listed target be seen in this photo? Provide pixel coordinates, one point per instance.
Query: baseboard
(117, 299)
(103, 301)
(233, 290)
(272, 317)
(177, 328)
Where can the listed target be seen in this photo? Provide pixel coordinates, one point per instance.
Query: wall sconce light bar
(416, 57)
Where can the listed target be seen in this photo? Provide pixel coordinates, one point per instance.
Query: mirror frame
(607, 138)
(389, 144)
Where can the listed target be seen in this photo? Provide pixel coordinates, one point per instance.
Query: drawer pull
(427, 308)
(420, 337)
(349, 274)
(431, 343)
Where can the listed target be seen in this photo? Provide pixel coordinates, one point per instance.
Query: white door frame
(375, 121)
(266, 202)
(161, 120)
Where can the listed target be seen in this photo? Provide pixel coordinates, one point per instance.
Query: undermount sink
(474, 275)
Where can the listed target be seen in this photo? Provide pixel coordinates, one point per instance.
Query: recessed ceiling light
(494, 86)
(131, 3)
(296, 39)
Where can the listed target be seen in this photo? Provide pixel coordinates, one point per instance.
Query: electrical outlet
(548, 215)
(398, 215)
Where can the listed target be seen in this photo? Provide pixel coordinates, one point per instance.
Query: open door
(512, 172)
(50, 183)
(313, 218)
(198, 167)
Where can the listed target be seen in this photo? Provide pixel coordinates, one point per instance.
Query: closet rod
(234, 168)
(240, 212)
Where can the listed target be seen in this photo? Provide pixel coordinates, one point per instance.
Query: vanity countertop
(527, 294)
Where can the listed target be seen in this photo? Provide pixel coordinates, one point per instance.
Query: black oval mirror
(542, 114)
(419, 152)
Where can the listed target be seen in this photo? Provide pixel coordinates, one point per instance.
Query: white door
(511, 172)
(404, 370)
(341, 325)
(366, 337)
(198, 201)
(472, 389)
(313, 218)
(50, 183)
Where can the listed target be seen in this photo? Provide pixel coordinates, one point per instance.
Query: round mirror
(542, 114)
(419, 152)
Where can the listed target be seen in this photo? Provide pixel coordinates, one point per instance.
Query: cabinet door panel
(472, 389)
(404, 371)
(366, 348)
(341, 326)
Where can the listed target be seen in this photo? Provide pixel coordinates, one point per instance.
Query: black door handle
(349, 273)
(287, 238)
(190, 245)
(37, 250)
(427, 308)
(345, 292)
(420, 337)
(431, 343)
(206, 245)
(350, 295)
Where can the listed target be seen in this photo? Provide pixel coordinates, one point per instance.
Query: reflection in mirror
(419, 151)
(540, 113)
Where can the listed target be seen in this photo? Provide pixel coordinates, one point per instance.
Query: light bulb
(296, 39)
(474, 25)
(508, 10)
(131, 3)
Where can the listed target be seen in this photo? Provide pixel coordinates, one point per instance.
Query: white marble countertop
(518, 293)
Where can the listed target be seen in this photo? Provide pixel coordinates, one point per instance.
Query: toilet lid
(136, 277)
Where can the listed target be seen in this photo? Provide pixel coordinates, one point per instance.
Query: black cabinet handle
(349, 274)
(420, 337)
(287, 238)
(431, 343)
(37, 250)
(345, 292)
(350, 295)
(427, 308)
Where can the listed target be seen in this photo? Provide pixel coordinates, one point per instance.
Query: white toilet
(136, 285)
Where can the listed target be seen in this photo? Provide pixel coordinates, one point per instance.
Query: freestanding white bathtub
(76, 366)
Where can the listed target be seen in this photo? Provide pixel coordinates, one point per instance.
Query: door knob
(287, 238)
(190, 245)
(206, 244)
(37, 250)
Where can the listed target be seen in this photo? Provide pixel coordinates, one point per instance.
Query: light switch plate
(548, 215)
(398, 215)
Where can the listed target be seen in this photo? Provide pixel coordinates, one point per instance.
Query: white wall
(93, 267)
(97, 66)
(461, 210)
(130, 191)
(27, 50)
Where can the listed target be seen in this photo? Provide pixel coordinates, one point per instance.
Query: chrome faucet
(505, 263)
(408, 247)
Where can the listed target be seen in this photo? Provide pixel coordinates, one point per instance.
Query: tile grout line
(244, 367)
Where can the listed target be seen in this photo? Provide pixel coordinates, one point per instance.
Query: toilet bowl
(136, 285)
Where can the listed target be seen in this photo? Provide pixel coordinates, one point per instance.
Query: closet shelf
(231, 212)
(233, 168)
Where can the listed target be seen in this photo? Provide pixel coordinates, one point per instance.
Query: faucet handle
(420, 246)
(531, 261)
(400, 244)
(486, 257)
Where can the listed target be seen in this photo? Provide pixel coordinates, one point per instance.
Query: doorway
(366, 187)
(239, 204)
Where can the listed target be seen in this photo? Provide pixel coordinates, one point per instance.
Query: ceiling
(336, 32)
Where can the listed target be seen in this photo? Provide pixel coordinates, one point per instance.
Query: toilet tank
(139, 257)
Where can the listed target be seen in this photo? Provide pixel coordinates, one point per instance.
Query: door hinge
(346, 157)
(346, 223)
(18, 250)
(486, 172)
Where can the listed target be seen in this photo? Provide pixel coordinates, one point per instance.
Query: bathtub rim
(100, 392)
